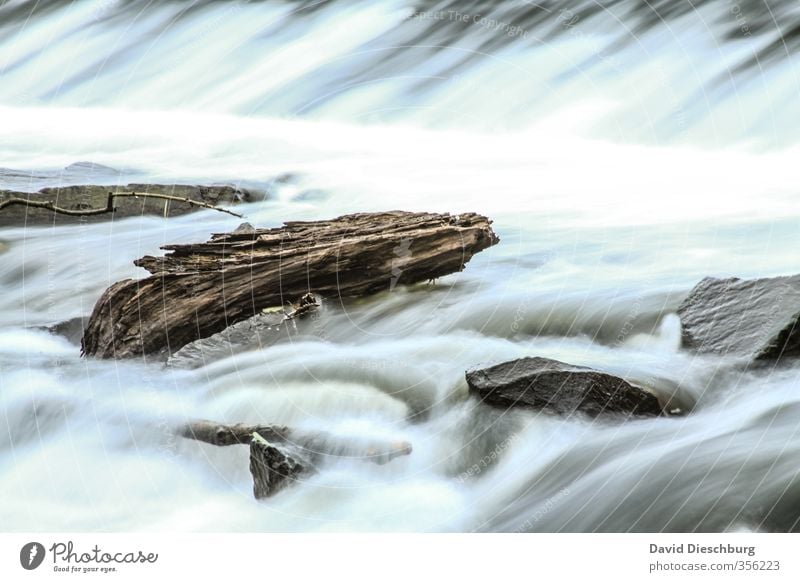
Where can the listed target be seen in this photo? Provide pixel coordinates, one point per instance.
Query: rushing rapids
(624, 154)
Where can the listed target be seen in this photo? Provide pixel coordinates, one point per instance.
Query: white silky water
(622, 154)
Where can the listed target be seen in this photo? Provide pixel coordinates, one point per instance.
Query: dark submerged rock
(259, 331)
(71, 329)
(545, 384)
(290, 323)
(755, 319)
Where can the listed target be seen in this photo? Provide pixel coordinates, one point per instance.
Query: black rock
(751, 318)
(272, 468)
(545, 384)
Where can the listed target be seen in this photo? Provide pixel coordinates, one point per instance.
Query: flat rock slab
(258, 332)
(200, 289)
(86, 172)
(755, 319)
(71, 329)
(86, 197)
(545, 384)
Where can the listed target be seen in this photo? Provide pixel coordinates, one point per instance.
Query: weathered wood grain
(200, 289)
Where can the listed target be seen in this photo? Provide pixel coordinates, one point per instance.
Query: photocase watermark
(568, 21)
(376, 365)
(488, 459)
(31, 555)
(629, 323)
(201, 34)
(66, 559)
(519, 316)
(485, 22)
(542, 510)
(741, 21)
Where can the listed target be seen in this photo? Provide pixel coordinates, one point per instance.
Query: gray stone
(755, 319)
(244, 228)
(273, 468)
(71, 329)
(545, 384)
(257, 332)
(86, 197)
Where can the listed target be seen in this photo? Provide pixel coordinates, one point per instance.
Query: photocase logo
(31, 555)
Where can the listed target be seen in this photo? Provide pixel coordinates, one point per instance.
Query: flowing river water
(622, 153)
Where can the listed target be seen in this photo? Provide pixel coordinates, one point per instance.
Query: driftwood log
(224, 435)
(200, 289)
(280, 456)
(316, 444)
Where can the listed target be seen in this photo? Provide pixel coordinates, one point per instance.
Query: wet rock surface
(71, 329)
(755, 319)
(561, 388)
(273, 468)
(258, 332)
(90, 196)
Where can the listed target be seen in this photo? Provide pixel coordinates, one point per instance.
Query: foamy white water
(615, 184)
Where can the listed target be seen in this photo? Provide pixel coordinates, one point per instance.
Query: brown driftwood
(199, 289)
(223, 435)
(280, 456)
